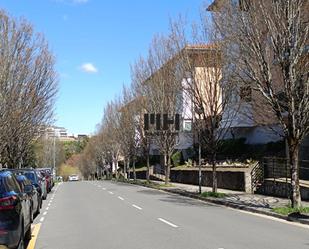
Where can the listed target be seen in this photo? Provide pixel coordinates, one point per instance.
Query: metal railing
(257, 176)
(279, 168)
(273, 175)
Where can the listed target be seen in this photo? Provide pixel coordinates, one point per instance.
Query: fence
(273, 177)
(279, 168)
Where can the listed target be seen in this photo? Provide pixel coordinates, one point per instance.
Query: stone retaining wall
(225, 179)
(236, 180)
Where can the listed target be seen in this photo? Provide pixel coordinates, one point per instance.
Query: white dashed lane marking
(137, 207)
(167, 222)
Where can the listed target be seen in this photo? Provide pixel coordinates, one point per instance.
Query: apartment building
(197, 75)
(255, 121)
(57, 132)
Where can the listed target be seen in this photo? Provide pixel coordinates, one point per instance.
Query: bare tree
(28, 84)
(266, 44)
(208, 95)
(110, 128)
(129, 129)
(162, 91)
(139, 75)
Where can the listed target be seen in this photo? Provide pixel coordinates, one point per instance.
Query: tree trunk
(167, 169)
(134, 171)
(294, 164)
(124, 169)
(128, 167)
(148, 168)
(214, 173)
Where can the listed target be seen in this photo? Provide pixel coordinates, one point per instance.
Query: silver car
(43, 184)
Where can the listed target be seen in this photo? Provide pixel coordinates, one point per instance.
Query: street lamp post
(54, 153)
(199, 165)
(199, 111)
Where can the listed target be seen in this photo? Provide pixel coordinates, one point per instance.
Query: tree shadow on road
(185, 201)
(150, 192)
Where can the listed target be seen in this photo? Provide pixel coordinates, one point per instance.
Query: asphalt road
(97, 215)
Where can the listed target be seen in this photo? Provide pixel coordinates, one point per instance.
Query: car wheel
(21, 244)
(31, 215)
(39, 207)
(28, 234)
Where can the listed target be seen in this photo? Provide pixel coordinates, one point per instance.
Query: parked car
(15, 212)
(73, 178)
(29, 189)
(32, 175)
(43, 185)
(47, 173)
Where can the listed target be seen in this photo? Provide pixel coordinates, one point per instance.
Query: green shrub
(213, 194)
(288, 210)
(176, 158)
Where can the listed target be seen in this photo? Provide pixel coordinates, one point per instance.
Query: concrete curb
(226, 203)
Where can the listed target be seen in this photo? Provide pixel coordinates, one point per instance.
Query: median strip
(167, 222)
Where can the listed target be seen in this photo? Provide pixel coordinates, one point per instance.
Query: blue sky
(95, 41)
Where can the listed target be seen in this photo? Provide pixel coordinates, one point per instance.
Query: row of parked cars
(22, 192)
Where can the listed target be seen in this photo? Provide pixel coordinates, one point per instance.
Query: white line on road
(120, 198)
(44, 213)
(104, 188)
(110, 192)
(47, 208)
(136, 207)
(42, 219)
(271, 218)
(48, 204)
(168, 223)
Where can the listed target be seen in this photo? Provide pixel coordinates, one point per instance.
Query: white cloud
(88, 68)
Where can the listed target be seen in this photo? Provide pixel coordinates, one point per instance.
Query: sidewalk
(240, 200)
(252, 200)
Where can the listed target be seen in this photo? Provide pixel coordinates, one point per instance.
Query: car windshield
(30, 176)
(43, 173)
(2, 186)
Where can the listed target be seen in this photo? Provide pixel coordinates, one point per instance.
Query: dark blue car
(27, 187)
(15, 212)
(32, 175)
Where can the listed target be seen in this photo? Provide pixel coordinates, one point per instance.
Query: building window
(246, 93)
(187, 125)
